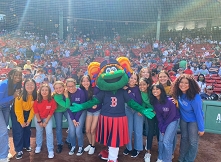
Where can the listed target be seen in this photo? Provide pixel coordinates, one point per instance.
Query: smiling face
(112, 78)
(163, 78)
(44, 92)
(17, 77)
(85, 82)
(133, 80)
(71, 87)
(143, 86)
(184, 85)
(59, 88)
(145, 73)
(29, 87)
(156, 92)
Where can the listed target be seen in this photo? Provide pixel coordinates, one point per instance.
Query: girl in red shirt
(44, 108)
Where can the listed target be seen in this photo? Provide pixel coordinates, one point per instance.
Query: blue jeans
(21, 136)
(58, 116)
(165, 144)
(134, 125)
(76, 131)
(4, 120)
(189, 141)
(49, 134)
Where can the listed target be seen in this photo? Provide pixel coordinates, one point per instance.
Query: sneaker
(126, 151)
(37, 150)
(80, 151)
(19, 155)
(10, 156)
(28, 149)
(91, 151)
(147, 157)
(69, 145)
(4, 160)
(51, 154)
(71, 152)
(103, 154)
(158, 160)
(59, 149)
(86, 149)
(134, 153)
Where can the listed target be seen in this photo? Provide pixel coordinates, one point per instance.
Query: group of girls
(173, 104)
(26, 103)
(185, 107)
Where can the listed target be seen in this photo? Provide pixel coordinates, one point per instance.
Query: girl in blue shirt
(186, 90)
(9, 90)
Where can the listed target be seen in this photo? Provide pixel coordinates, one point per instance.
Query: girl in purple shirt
(168, 119)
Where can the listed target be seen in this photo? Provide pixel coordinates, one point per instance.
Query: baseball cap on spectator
(3, 76)
(209, 87)
(39, 66)
(45, 79)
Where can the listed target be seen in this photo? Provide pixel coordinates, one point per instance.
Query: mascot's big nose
(111, 72)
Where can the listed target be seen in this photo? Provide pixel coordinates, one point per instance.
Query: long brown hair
(191, 92)
(40, 97)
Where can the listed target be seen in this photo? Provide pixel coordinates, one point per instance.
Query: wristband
(39, 121)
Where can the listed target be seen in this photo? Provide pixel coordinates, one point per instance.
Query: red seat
(217, 90)
(210, 81)
(217, 85)
(218, 81)
(215, 78)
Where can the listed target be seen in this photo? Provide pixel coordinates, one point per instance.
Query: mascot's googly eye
(108, 70)
(113, 69)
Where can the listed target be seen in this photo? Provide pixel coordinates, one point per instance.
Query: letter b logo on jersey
(113, 102)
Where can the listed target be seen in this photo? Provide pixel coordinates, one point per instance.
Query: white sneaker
(158, 160)
(37, 150)
(71, 152)
(51, 155)
(91, 151)
(87, 148)
(147, 157)
(4, 160)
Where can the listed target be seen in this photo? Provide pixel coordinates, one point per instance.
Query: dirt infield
(209, 151)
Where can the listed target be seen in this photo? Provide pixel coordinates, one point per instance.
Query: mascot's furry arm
(78, 107)
(146, 112)
(134, 105)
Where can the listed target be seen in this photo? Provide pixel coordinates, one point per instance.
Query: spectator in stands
(209, 94)
(188, 71)
(28, 75)
(3, 63)
(201, 83)
(59, 75)
(49, 67)
(208, 63)
(203, 70)
(180, 72)
(183, 64)
(12, 64)
(195, 71)
(3, 77)
(213, 69)
(51, 77)
(78, 75)
(27, 65)
(39, 76)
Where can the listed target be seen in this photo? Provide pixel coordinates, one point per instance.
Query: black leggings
(151, 129)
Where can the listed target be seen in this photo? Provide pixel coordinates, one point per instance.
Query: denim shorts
(96, 113)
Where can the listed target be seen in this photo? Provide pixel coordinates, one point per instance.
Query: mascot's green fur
(110, 77)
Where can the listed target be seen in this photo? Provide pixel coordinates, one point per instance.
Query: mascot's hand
(76, 107)
(148, 113)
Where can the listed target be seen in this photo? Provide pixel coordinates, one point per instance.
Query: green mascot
(110, 77)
